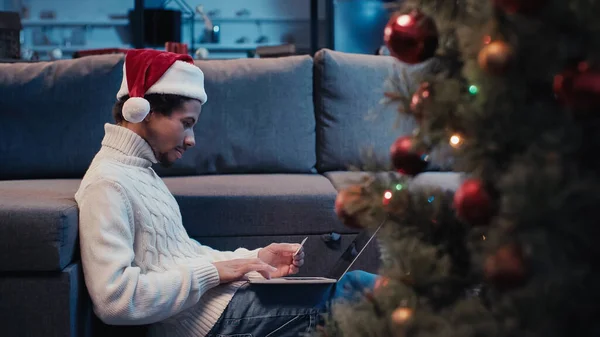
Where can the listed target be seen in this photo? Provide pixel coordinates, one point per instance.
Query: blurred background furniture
(58, 29)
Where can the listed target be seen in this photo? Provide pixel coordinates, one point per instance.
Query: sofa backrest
(283, 115)
(259, 117)
(354, 129)
(52, 115)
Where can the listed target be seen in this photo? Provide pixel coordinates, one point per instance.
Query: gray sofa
(274, 142)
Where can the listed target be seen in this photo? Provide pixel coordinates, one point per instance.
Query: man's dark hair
(160, 103)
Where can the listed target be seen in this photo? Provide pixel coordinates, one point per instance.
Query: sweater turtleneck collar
(127, 146)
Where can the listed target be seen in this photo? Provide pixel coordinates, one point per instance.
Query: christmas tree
(514, 94)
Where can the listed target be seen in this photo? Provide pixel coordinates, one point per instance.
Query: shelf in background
(253, 20)
(233, 46)
(66, 23)
(249, 19)
(124, 22)
(216, 47)
(72, 49)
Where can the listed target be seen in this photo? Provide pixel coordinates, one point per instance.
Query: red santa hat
(148, 71)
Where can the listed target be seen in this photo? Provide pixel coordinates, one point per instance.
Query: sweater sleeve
(121, 293)
(217, 255)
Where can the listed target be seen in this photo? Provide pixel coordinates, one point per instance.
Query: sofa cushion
(259, 118)
(241, 205)
(449, 181)
(351, 122)
(38, 224)
(52, 115)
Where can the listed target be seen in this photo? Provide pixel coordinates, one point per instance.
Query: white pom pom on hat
(149, 71)
(136, 109)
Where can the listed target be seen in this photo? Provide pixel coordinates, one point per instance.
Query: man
(140, 266)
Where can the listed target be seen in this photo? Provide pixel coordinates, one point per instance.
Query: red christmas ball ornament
(520, 6)
(418, 100)
(405, 159)
(411, 37)
(473, 203)
(346, 206)
(506, 268)
(578, 87)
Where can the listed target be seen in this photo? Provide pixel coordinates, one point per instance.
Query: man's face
(171, 136)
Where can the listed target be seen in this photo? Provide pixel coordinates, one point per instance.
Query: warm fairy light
(456, 140)
(387, 195)
(404, 20)
(401, 315)
(387, 31)
(415, 99)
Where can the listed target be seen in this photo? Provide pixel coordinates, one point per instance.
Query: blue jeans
(286, 310)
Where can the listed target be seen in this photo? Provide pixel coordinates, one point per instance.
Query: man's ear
(149, 117)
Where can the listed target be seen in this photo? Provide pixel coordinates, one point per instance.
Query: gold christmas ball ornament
(496, 57)
(349, 206)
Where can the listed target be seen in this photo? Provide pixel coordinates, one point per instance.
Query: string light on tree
(411, 37)
(387, 197)
(456, 141)
(473, 89)
(402, 315)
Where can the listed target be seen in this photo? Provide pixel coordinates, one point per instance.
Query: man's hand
(235, 270)
(281, 256)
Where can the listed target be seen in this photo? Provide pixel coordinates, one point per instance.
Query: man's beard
(163, 160)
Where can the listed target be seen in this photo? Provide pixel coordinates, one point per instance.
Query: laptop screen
(351, 254)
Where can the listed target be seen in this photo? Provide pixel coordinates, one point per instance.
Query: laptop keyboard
(302, 278)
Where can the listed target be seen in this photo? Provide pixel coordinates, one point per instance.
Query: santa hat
(148, 71)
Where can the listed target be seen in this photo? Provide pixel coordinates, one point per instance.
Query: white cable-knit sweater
(140, 265)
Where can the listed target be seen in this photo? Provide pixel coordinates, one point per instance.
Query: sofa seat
(449, 181)
(256, 204)
(39, 218)
(38, 224)
(49, 304)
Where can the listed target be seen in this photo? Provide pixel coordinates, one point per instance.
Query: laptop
(340, 269)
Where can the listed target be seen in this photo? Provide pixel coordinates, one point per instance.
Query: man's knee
(360, 279)
(355, 283)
